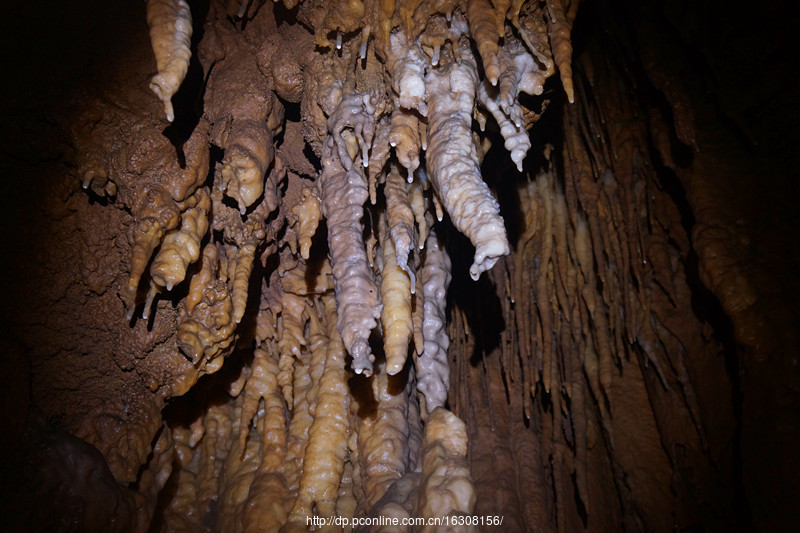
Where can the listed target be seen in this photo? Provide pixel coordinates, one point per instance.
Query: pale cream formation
(406, 65)
(523, 74)
(437, 204)
(435, 23)
(352, 127)
(446, 488)
(520, 73)
(305, 387)
(157, 215)
(378, 156)
(265, 506)
(156, 188)
(400, 219)
(398, 502)
(308, 215)
(240, 260)
(482, 146)
(453, 161)
(341, 16)
(170, 24)
(433, 370)
(396, 316)
(323, 82)
(343, 190)
(383, 448)
(206, 326)
(290, 339)
(181, 247)
(417, 308)
(419, 205)
(404, 138)
(327, 439)
(512, 128)
(246, 161)
(297, 432)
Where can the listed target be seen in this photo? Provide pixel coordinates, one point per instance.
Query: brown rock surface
(630, 362)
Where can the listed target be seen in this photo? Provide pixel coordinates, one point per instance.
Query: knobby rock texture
(269, 261)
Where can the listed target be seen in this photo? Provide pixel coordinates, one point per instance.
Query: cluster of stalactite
(276, 445)
(410, 82)
(344, 372)
(598, 335)
(321, 419)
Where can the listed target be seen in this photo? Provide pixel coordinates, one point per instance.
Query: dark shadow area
(477, 299)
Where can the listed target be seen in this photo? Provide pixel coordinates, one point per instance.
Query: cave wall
(630, 364)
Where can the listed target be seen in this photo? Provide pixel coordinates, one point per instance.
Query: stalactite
(343, 192)
(181, 247)
(405, 139)
(308, 215)
(206, 327)
(400, 219)
(305, 298)
(446, 487)
(433, 373)
(327, 439)
(559, 26)
(170, 24)
(481, 22)
(453, 162)
(383, 437)
(396, 316)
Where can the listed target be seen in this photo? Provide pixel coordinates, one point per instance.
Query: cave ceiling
(477, 259)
